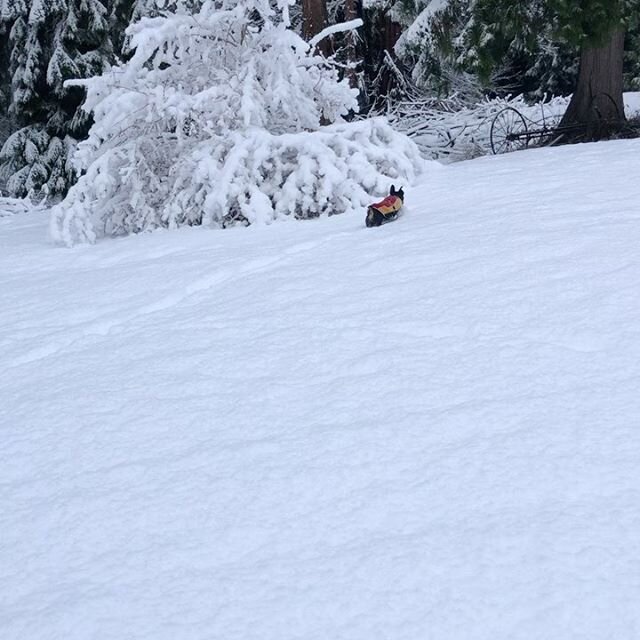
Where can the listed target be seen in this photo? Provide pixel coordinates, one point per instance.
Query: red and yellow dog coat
(385, 210)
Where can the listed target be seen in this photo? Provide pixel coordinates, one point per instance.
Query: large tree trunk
(351, 12)
(380, 58)
(596, 107)
(314, 20)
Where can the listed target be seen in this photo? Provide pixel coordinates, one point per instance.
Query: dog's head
(399, 192)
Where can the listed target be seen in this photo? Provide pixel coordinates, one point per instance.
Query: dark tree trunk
(351, 12)
(596, 107)
(384, 35)
(314, 20)
(5, 87)
(392, 32)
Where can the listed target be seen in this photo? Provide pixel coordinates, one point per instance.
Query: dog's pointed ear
(393, 190)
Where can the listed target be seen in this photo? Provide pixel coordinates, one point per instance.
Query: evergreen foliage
(49, 42)
(632, 60)
(527, 47)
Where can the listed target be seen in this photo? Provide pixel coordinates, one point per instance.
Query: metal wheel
(604, 116)
(604, 107)
(508, 131)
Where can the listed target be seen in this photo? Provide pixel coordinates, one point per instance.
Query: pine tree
(632, 59)
(6, 124)
(594, 28)
(50, 41)
(428, 44)
(598, 27)
(532, 47)
(466, 46)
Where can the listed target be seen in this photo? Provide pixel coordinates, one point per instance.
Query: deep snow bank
(317, 430)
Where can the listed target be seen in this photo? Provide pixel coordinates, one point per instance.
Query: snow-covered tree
(50, 41)
(468, 46)
(594, 28)
(632, 58)
(5, 81)
(428, 44)
(218, 118)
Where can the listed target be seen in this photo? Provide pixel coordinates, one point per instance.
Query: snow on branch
(451, 129)
(12, 206)
(351, 25)
(218, 121)
(252, 177)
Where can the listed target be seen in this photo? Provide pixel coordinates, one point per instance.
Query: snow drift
(423, 431)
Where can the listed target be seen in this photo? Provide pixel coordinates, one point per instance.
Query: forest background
(404, 51)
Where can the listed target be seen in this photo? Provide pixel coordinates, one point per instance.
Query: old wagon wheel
(604, 116)
(508, 131)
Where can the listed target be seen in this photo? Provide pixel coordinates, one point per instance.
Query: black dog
(386, 210)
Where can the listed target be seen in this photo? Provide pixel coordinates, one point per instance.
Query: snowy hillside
(316, 430)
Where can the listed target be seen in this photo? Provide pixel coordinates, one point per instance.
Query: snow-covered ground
(426, 431)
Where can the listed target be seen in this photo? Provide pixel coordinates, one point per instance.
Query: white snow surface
(314, 430)
(12, 206)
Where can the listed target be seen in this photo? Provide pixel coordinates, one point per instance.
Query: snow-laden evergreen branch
(218, 118)
(351, 25)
